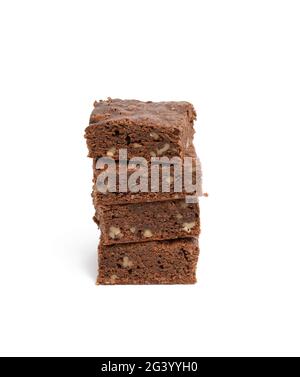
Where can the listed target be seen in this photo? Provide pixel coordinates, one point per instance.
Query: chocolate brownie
(141, 222)
(145, 129)
(156, 262)
(102, 197)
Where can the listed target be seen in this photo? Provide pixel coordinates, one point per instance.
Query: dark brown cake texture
(155, 262)
(142, 222)
(145, 129)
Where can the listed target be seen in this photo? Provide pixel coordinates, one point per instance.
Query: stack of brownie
(147, 236)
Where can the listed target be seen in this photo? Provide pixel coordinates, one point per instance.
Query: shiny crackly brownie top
(161, 113)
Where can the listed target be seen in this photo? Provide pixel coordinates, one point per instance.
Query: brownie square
(156, 262)
(142, 222)
(145, 129)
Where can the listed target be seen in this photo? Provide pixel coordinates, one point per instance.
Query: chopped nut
(187, 227)
(154, 135)
(111, 152)
(147, 233)
(163, 149)
(136, 145)
(115, 232)
(132, 229)
(184, 205)
(127, 262)
(152, 154)
(111, 280)
(179, 216)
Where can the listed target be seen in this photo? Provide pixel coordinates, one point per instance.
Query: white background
(238, 62)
